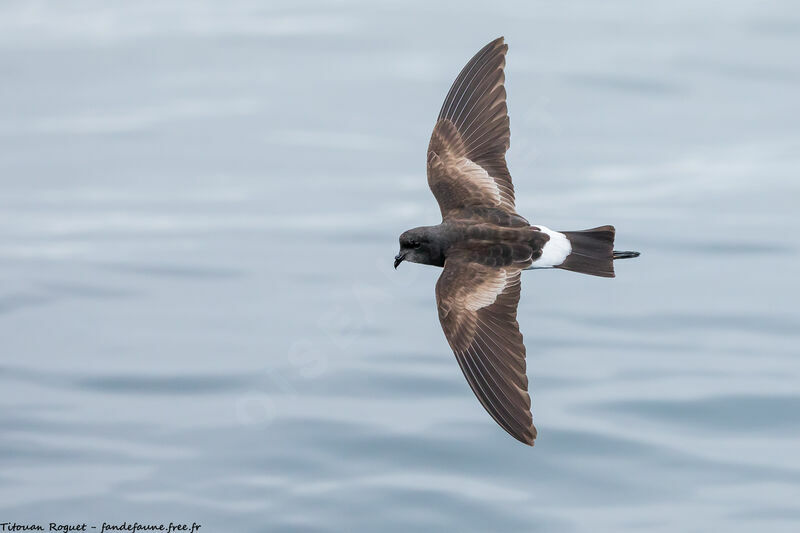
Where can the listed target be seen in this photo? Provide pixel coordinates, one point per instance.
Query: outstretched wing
(466, 154)
(478, 313)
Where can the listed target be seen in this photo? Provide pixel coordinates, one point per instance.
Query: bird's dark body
(489, 237)
(484, 245)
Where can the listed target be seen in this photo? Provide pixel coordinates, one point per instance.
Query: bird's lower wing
(478, 313)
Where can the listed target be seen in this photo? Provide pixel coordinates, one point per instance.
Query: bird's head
(418, 246)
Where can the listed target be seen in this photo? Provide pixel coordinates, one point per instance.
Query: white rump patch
(555, 250)
(479, 178)
(486, 294)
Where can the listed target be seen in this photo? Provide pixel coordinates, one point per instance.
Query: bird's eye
(415, 244)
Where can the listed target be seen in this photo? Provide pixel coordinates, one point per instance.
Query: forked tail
(593, 252)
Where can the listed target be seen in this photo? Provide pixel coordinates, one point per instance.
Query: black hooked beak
(399, 259)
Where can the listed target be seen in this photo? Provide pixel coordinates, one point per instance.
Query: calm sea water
(199, 320)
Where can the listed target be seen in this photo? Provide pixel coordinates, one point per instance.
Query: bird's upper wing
(466, 154)
(478, 312)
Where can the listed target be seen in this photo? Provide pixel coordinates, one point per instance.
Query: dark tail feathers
(593, 252)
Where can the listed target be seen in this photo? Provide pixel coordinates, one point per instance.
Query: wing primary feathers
(487, 86)
(459, 81)
(478, 389)
(510, 371)
(480, 83)
(499, 386)
(496, 407)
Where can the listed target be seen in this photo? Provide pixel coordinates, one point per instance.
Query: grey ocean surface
(199, 319)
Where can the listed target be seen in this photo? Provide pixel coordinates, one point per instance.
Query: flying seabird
(484, 245)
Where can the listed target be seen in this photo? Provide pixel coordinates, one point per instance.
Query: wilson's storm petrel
(483, 244)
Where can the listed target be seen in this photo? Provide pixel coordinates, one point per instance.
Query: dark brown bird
(484, 245)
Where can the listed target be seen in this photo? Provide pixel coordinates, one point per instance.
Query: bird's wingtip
(528, 438)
